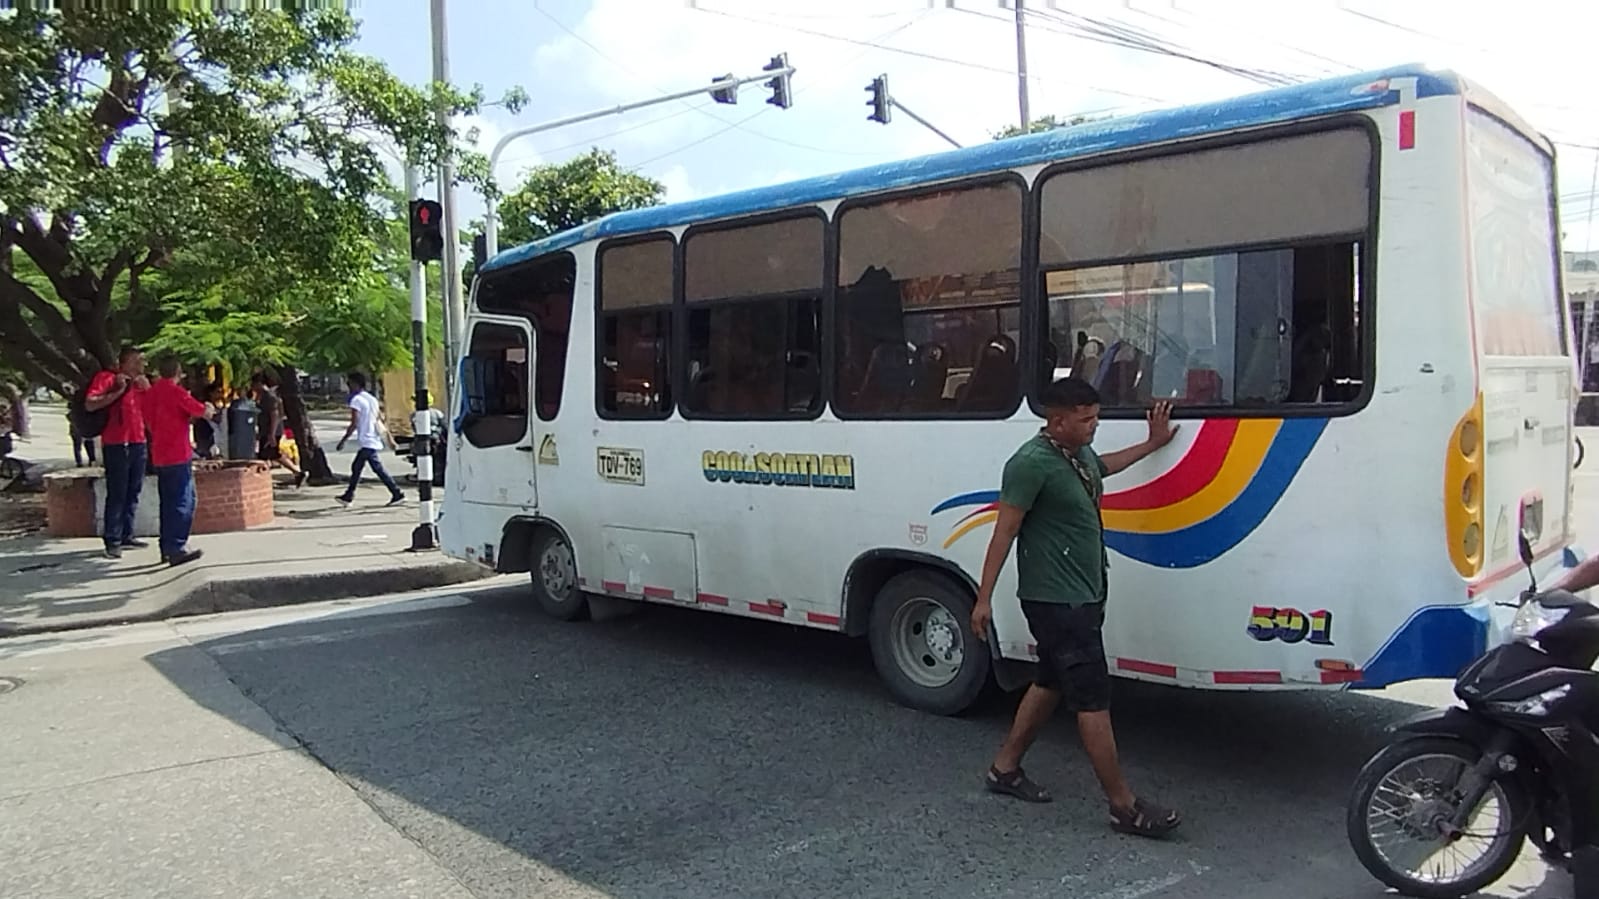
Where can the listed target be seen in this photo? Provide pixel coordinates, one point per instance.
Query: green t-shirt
(1060, 551)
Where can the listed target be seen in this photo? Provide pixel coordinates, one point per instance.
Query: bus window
(494, 383)
(1224, 277)
(635, 287)
(929, 305)
(542, 294)
(754, 319)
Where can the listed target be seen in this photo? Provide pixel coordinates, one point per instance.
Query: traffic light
(427, 230)
(881, 104)
(781, 98)
(480, 250)
(724, 94)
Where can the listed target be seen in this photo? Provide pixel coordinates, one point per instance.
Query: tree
(1046, 123)
(557, 196)
(240, 147)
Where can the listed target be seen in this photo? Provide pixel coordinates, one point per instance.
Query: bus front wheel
(922, 644)
(554, 575)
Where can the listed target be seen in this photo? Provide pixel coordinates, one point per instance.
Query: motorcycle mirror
(1526, 559)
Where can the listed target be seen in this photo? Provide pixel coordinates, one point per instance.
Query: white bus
(794, 402)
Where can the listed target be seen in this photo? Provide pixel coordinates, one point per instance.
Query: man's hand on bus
(1161, 430)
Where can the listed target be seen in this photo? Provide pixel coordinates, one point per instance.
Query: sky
(953, 62)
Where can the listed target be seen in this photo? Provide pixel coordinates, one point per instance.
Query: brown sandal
(1145, 819)
(1016, 783)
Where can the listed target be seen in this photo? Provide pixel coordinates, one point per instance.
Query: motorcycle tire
(1502, 853)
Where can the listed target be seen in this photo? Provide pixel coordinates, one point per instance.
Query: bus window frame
(670, 307)
(1026, 290)
(510, 272)
(683, 306)
(1366, 243)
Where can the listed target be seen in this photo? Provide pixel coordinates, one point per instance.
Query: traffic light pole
(491, 223)
(424, 537)
(923, 122)
(454, 302)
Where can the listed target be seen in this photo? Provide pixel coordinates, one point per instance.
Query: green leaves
(555, 197)
(1047, 123)
(205, 180)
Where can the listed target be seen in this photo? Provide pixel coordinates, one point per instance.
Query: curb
(225, 594)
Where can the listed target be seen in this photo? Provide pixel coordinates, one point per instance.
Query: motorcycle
(1444, 810)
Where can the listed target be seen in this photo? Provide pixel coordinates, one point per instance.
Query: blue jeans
(176, 484)
(363, 458)
(124, 478)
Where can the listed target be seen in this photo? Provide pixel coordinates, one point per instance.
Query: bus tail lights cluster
(1463, 486)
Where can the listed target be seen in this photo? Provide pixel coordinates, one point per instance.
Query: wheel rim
(1407, 814)
(928, 644)
(558, 571)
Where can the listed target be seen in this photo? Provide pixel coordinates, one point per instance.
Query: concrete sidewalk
(314, 550)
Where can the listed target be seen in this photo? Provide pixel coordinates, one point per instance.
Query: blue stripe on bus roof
(1299, 101)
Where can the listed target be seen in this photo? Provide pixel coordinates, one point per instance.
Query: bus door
(495, 462)
(1526, 371)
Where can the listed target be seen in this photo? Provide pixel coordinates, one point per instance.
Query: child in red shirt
(170, 409)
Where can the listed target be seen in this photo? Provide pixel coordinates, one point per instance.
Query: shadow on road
(676, 753)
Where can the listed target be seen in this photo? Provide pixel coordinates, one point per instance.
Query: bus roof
(1299, 101)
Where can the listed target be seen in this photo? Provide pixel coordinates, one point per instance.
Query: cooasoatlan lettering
(780, 469)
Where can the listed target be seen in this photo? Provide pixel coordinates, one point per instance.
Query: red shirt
(125, 417)
(170, 408)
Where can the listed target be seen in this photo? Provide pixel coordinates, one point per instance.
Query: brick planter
(229, 496)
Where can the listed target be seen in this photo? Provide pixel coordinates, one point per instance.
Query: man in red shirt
(170, 410)
(122, 445)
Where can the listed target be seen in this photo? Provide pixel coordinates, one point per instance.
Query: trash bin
(241, 428)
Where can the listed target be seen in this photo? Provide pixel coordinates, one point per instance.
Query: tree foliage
(207, 178)
(557, 196)
(1046, 123)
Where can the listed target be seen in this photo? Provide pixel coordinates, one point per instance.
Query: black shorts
(1071, 653)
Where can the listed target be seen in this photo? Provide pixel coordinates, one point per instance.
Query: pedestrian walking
(80, 443)
(122, 444)
(365, 423)
(1049, 501)
(171, 410)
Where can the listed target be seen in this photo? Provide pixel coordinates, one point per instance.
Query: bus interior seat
(931, 376)
(995, 378)
(1204, 386)
(887, 380)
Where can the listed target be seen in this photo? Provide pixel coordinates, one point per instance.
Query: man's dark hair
(356, 379)
(262, 379)
(169, 366)
(1069, 393)
(126, 353)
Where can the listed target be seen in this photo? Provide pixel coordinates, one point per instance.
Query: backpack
(88, 424)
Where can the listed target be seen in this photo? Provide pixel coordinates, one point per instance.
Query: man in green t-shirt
(1049, 504)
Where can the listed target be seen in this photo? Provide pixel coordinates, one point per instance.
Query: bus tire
(922, 644)
(553, 571)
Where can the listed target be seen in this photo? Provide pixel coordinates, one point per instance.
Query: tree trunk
(313, 461)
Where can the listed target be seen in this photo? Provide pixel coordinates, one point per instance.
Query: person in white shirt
(365, 426)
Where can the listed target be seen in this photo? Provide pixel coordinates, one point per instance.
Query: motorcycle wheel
(1395, 810)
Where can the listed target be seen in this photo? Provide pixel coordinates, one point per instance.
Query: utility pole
(454, 303)
(423, 537)
(1021, 67)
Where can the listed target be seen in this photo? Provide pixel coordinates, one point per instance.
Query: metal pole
(454, 302)
(423, 537)
(924, 123)
(491, 225)
(1021, 67)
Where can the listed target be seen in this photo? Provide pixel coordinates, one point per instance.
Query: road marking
(221, 624)
(320, 637)
(1139, 889)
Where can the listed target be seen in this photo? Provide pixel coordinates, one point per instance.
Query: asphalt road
(472, 747)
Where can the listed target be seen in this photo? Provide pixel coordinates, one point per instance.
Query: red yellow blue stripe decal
(1228, 480)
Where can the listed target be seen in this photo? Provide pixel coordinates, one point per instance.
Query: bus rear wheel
(554, 576)
(922, 644)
